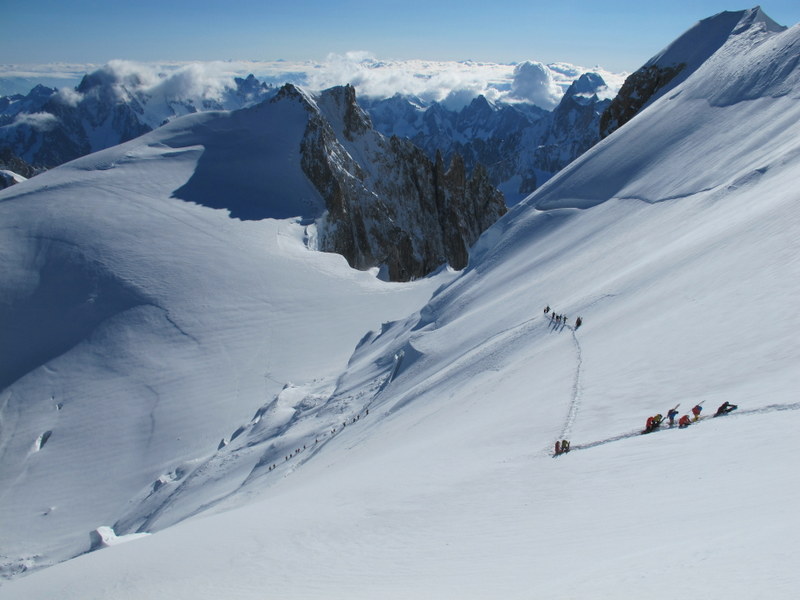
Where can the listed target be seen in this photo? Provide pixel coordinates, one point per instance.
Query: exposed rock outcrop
(13, 169)
(638, 89)
(387, 203)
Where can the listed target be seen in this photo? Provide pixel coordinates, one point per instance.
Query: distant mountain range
(520, 145)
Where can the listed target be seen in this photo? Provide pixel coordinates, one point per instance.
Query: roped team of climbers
(654, 422)
(560, 319)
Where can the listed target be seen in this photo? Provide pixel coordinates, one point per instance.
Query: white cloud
(42, 121)
(534, 82)
(455, 83)
(196, 80)
(69, 96)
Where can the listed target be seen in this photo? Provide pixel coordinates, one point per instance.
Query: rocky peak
(293, 93)
(389, 205)
(340, 107)
(585, 89)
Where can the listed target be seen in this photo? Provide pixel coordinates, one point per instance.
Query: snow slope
(681, 253)
(140, 329)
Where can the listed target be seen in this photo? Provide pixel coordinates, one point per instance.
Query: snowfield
(285, 427)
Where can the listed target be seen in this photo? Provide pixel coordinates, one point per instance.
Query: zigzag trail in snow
(575, 401)
(736, 414)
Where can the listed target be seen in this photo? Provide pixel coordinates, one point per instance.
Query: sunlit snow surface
(676, 240)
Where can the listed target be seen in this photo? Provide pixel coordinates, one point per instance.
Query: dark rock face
(10, 162)
(638, 89)
(393, 207)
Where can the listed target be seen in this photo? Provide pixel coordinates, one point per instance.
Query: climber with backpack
(725, 408)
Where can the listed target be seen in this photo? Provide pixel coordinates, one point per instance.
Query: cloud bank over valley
(453, 83)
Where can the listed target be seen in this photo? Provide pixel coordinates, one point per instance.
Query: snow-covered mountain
(48, 127)
(520, 144)
(190, 364)
(678, 61)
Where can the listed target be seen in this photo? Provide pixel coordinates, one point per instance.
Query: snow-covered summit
(699, 42)
(728, 32)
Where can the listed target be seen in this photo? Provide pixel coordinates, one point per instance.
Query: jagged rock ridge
(387, 203)
(521, 145)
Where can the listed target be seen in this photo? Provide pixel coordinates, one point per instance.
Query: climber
(649, 425)
(673, 412)
(696, 411)
(725, 408)
(653, 423)
(684, 422)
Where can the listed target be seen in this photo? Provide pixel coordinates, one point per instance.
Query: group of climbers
(655, 422)
(560, 319)
(562, 447)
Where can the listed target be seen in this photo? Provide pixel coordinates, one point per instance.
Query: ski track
(575, 401)
(735, 414)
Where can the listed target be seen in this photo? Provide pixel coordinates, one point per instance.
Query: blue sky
(618, 35)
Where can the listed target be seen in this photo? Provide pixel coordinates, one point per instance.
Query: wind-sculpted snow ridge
(678, 61)
(750, 83)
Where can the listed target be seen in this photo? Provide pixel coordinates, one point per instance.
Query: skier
(684, 422)
(547, 309)
(564, 445)
(558, 447)
(725, 408)
(696, 411)
(578, 322)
